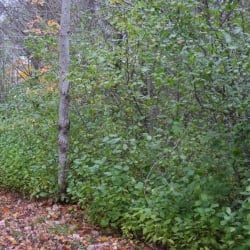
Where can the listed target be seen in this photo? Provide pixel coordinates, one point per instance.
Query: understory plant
(160, 134)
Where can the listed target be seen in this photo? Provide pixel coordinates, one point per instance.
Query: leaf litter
(26, 224)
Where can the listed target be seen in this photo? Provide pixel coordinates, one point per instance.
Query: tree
(64, 122)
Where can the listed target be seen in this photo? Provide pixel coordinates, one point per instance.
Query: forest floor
(29, 224)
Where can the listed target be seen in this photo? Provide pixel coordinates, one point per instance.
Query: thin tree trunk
(64, 122)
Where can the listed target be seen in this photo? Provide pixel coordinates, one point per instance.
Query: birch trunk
(64, 122)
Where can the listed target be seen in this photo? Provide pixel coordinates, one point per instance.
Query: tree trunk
(64, 122)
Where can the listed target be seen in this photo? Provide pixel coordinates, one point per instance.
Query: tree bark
(64, 122)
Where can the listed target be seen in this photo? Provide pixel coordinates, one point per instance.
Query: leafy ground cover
(26, 224)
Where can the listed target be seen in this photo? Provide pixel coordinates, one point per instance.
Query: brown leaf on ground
(29, 225)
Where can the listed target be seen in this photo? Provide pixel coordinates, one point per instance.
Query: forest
(135, 113)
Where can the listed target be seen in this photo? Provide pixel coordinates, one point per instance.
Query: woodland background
(159, 110)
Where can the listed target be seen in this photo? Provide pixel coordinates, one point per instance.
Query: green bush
(165, 112)
(28, 145)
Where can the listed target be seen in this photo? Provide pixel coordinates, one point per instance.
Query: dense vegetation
(160, 132)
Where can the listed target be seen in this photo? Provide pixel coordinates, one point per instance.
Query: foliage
(28, 157)
(164, 124)
(160, 134)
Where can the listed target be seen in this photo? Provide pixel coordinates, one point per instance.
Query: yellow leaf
(103, 239)
(39, 2)
(52, 23)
